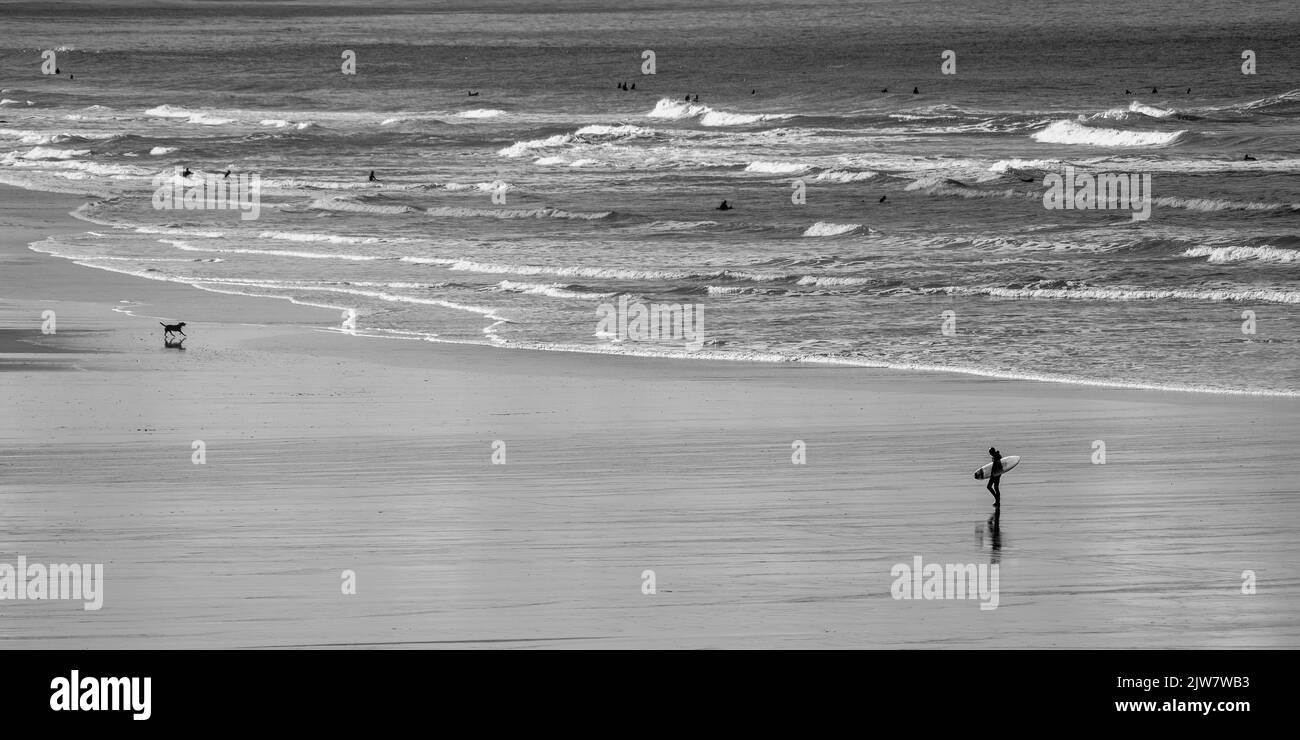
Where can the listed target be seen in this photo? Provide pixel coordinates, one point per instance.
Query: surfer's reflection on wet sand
(994, 527)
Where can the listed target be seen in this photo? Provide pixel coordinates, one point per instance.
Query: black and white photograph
(679, 325)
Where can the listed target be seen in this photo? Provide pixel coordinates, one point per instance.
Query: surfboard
(1008, 462)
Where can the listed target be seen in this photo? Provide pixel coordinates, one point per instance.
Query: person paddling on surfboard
(995, 477)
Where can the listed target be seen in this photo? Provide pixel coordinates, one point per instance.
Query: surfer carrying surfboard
(995, 476)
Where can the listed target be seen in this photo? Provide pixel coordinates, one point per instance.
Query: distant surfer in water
(995, 476)
(724, 206)
(372, 177)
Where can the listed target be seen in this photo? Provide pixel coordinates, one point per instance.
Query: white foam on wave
(612, 273)
(197, 117)
(168, 111)
(551, 290)
(1211, 205)
(481, 113)
(843, 176)
(1073, 132)
(678, 225)
(604, 132)
(1264, 295)
(45, 138)
(316, 284)
(300, 236)
(724, 118)
(172, 230)
(160, 150)
(1225, 255)
(778, 168)
(520, 148)
(608, 273)
(939, 185)
(1150, 110)
(428, 260)
(1264, 102)
(298, 184)
(754, 277)
(283, 123)
(594, 134)
(825, 228)
(675, 110)
(1002, 166)
(832, 282)
(484, 311)
(42, 152)
(347, 205)
(482, 187)
(1121, 114)
(119, 171)
(186, 247)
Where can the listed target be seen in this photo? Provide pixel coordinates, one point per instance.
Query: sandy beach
(380, 461)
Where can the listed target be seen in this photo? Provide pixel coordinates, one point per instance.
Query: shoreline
(326, 453)
(70, 223)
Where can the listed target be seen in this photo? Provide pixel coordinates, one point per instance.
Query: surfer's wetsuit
(995, 478)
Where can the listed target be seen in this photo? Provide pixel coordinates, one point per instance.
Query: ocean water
(610, 193)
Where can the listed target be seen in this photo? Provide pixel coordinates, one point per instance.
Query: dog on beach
(169, 329)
